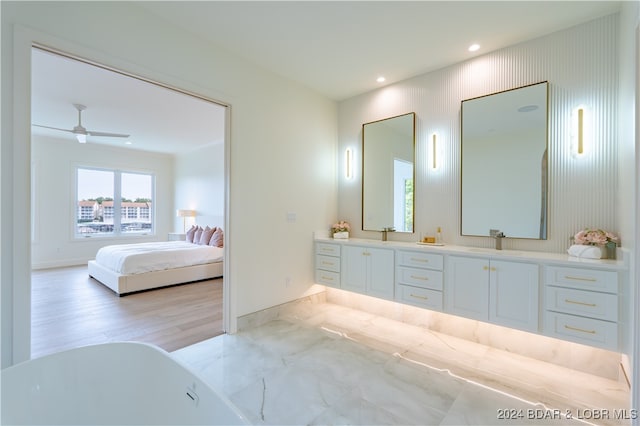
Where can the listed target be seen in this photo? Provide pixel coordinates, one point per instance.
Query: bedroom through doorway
(161, 151)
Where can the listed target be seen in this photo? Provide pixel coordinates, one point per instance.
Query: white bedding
(156, 256)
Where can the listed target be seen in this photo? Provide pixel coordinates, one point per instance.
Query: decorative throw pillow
(190, 233)
(197, 235)
(217, 239)
(206, 236)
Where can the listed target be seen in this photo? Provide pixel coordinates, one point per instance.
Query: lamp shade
(186, 213)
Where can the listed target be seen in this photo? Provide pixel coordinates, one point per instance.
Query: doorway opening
(176, 140)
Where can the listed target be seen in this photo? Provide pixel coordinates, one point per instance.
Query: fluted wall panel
(580, 65)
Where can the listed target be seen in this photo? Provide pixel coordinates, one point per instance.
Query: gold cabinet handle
(419, 297)
(493, 269)
(419, 278)
(575, 302)
(581, 330)
(327, 249)
(415, 259)
(569, 277)
(327, 278)
(485, 268)
(324, 262)
(366, 253)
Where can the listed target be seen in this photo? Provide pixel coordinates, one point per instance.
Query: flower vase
(609, 251)
(603, 250)
(341, 235)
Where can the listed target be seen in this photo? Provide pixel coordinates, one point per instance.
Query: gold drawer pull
(327, 249)
(415, 259)
(569, 277)
(366, 253)
(575, 302)
(327, 278)
(568, 327)
(324, 262)
(485, 268)
(419, 297)
(420, 278)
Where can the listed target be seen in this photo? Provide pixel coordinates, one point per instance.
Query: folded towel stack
(585, 251)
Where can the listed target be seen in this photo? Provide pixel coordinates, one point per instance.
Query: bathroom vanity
(553, 294)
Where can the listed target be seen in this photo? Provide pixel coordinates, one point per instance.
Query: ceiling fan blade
(54, 128)
(111, 135)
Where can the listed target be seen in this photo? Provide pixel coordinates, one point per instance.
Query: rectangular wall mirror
(388, 173)
(504, 163)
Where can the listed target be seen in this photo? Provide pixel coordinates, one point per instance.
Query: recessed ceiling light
(380, 79)
(474, 47)
(128, 142)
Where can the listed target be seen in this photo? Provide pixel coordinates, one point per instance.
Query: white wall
(581, 67)
(199, 186)
(53, 172)
(281, 158)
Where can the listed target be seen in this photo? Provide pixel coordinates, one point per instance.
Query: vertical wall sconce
(348, 172)
(434, 150)
(580, 130)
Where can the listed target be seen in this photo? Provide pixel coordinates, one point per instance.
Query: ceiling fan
(82, 133)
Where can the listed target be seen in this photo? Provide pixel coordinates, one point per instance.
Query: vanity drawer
(586, 303)
(425, 278)
(583, 279)
(328, 278)
(328, 263)
(420, 259)
(422, 297)
(328, 249)
(582, 330)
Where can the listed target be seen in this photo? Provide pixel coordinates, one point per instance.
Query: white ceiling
(340, 47)
(337, 48)
(158, 119)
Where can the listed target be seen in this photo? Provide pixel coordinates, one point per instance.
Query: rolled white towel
(585, 251)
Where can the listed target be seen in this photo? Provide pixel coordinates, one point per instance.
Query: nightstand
(176, 236)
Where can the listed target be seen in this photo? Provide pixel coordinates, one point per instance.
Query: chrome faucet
(498, 235)
(384, 232)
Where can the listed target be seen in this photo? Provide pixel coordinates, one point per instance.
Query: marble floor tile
(328, 364)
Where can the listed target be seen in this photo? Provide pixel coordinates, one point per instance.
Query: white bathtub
(114, 383)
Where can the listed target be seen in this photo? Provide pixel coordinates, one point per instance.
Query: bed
(128, 268)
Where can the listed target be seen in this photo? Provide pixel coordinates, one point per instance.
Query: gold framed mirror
(505, 163)
(388, 174)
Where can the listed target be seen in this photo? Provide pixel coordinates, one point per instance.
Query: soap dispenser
(439, 236)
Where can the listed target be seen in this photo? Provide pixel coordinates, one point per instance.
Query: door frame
(24, 40)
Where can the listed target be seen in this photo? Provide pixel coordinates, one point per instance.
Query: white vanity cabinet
(581, 305)
(498, 291)
(419, 279)
(545, 293)
(368, 270)
(327, 259)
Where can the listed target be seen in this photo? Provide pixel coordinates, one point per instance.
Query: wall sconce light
(349, 163)
(184, 214)
(434, 150)
(580, 130)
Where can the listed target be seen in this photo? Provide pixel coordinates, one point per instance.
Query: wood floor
(70, 309)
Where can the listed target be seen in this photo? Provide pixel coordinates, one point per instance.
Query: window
(113, 202)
